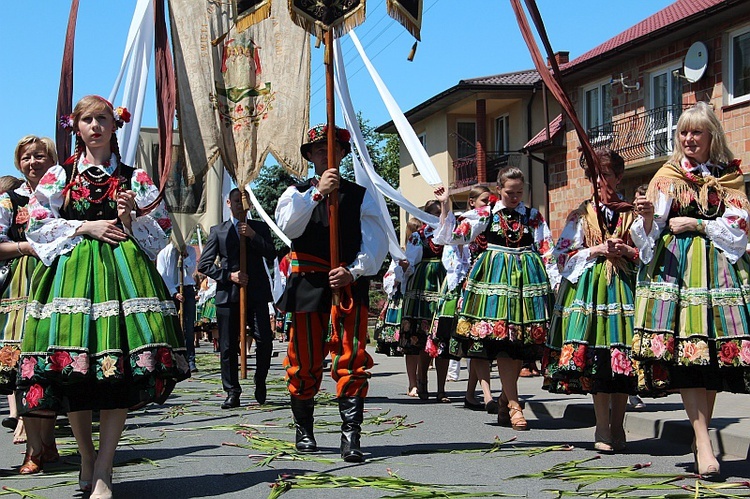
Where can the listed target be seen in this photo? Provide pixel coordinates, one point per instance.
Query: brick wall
(567, 183)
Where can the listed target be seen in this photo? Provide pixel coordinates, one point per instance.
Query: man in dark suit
(224, 243)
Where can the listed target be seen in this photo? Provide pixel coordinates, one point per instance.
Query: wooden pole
(181, 290)
(243, 301)
(333, 197)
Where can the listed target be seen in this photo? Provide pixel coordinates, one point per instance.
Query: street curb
(669, 426)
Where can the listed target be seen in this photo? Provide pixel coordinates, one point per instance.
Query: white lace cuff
(54, 238)
(725, 239)
(149, 235)
(577, 263)
(644, 242)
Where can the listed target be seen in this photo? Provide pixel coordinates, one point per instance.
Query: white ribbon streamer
(364, 171)
(417, 152)
(266, 218)
(137, 57)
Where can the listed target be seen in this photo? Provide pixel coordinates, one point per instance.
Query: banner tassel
(412, 52)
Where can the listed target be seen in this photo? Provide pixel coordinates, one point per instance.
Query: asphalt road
(191, 448)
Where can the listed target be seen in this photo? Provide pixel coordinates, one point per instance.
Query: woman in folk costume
(506, 303)
(33, 157)
(101, 331)
(388, 326)
(692, 319)
(457, 261)
(592, 321)
(419, 306)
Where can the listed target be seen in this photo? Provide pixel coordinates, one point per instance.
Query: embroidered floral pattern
(532, 334)
(654, 346)
(734, 353)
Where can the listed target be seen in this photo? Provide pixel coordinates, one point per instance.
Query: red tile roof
(555, 127)
(526, 77)
(671, 14)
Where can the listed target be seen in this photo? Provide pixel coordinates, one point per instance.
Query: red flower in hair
(122, 114)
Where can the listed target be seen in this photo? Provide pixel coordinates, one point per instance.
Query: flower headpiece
(66, 122)
(122, 116)
(319, 133)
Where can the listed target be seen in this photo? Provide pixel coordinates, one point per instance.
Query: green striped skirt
(388, 327)
(420, 304)
(208, 312)
(12, 319)
(506, 304)
(591, 332)
(692, 317)
(102, 332)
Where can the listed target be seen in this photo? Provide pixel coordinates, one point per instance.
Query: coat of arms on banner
(240, 99)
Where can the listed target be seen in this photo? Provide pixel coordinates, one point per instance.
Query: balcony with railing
(466, 168)
(641, 135)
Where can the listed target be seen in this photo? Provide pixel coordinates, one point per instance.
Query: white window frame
(506, 128)
(595, 85)
(730, 66)
(669, 70)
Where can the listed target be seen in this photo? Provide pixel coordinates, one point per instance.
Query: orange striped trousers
(309, 344)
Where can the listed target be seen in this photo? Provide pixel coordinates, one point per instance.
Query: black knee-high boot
(303, 409)
(352, 414)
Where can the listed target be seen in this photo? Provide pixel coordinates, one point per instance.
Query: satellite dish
(696, 61)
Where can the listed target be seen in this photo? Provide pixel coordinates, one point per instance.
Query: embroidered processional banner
(317, 16)
(244, 94)
(408, 13)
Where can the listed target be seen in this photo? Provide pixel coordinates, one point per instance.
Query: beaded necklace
(511, 236)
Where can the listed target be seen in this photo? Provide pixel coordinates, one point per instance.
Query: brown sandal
(517, 421)
(31, 464)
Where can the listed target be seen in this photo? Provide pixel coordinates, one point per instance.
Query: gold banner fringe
(260, 12)
(412, 25)
(317, 28)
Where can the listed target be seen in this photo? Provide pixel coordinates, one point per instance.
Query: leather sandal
(603, 445)
(517, 421)
(31, 464)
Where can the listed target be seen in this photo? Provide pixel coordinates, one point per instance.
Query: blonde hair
(702, 117)
(49, 148)
(9, 183)
(509, 173)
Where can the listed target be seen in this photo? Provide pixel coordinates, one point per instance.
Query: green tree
(268, 187)
(384, 152)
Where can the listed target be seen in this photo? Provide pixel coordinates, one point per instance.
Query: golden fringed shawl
(593, 235)
(672, 181)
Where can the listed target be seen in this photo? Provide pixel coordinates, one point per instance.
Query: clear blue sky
(460, 39)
